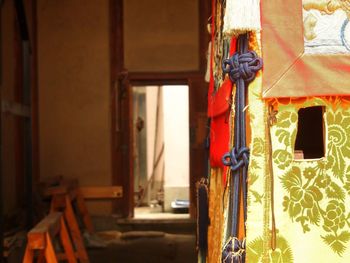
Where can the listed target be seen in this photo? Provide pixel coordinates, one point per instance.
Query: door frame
(121, 111)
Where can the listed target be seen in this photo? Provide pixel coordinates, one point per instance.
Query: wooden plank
(66, 243)
(56, 190)
(198, 123)
(50, 254)
(161, 78)
(101, 192)
(121, 114)
(75, 232)
(28, 255)
(49, 225)
(62, 187)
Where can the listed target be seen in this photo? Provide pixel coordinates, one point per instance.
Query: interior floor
(148, 237)
(136, 240)
(154, 248)
(145, 212)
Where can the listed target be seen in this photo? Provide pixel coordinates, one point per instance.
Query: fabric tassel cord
(241, 68)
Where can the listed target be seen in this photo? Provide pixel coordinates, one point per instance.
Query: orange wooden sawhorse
(41, 238)
(65, 194)
(62, 197)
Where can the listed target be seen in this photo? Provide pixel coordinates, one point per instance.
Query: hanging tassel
(241, 16)
(203, 219)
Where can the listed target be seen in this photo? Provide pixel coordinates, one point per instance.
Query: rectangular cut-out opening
(309, 143)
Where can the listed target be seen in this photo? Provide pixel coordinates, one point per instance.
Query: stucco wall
(176, 137)
(173, 131)
(161, 35)
(74, 92)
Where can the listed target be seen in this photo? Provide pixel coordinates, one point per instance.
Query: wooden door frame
(26, 97)
(121, 173)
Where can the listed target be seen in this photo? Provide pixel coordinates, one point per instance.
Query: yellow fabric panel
(259, 181)
(258, 201)
(311, 195)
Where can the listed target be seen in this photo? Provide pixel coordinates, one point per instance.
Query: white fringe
(241, 16)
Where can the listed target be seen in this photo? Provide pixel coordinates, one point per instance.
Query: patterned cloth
(310, 196)
(326, 29)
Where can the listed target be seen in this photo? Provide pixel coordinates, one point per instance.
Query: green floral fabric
(314, 193)
(282, 254)
(259, 199)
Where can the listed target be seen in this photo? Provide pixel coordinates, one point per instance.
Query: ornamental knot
(234, 251)
(236, 158)
(243, 66)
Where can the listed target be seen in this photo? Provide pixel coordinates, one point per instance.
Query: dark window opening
(309, 143)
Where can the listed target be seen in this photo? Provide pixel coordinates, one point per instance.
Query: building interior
(103, 127)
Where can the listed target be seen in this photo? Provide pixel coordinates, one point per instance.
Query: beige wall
(161, 35)
(173, 131)
(177, 147)
(176, 136)
(74, 91)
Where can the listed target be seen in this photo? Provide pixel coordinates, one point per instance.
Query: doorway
(161, 151)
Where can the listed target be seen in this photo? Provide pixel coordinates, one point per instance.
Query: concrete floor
(140, 248)
(138, 240)
(148, 237)
(175, 248)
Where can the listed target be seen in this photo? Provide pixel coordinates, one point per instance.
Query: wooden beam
(119, 108)
(162, 78)
(59, 192)
(75, 231)
(56, 190)
(63, 187)
(102, 192)
(50, 224)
